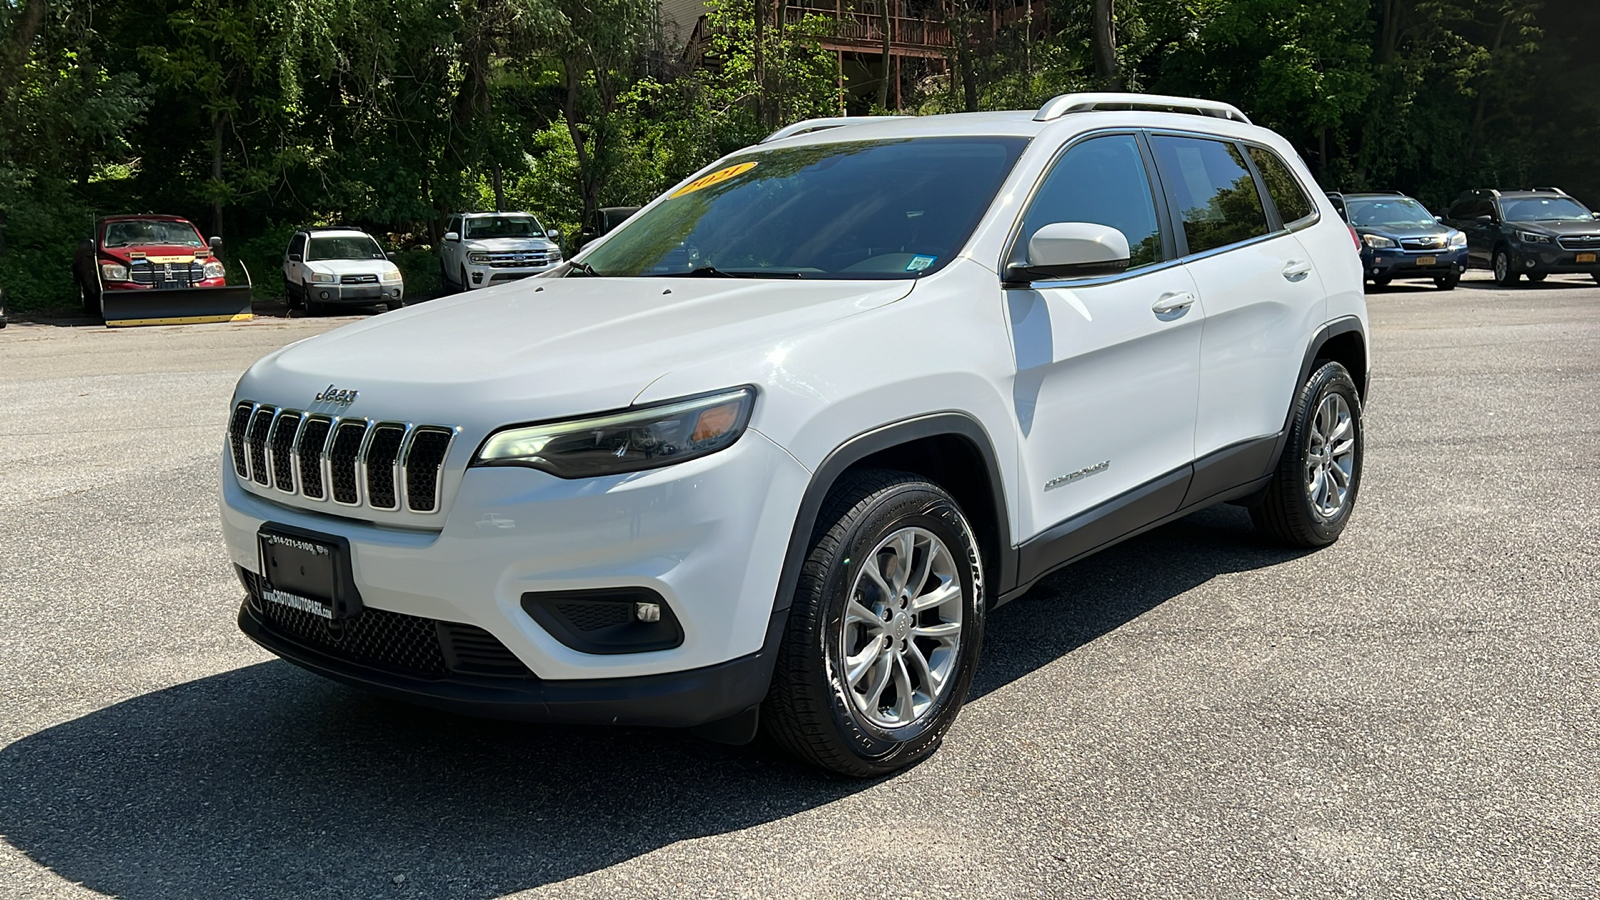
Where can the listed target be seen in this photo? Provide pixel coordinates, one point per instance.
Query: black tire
(292, 296)
(1505, 274)
(1537, 277)
(393, 305)
(1381, 282)
(311, 306)
(810, 709)
(464, 287)
(1287, 512)
(1597, 277)
(90, 301)
(1447, 282)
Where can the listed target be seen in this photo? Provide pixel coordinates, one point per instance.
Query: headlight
(113, 272)
(478, 258)
(644, 438)
(1458, 240)
(323, 278)
(214, 269)
(1378, 241)
(389, 276)
(1528, 237)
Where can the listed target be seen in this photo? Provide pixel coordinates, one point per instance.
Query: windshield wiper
(583, 268)
(714, 272)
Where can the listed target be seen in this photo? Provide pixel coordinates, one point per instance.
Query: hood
(545, 348)
(1559, 229)
(500, 245)
(1436, 229)
(351, 266)
(157, 252)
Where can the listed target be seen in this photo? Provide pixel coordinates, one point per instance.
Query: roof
(144, 217)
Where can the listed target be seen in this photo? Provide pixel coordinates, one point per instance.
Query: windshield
(1546, 209)
(1392, 212)
(180, 234)
(855, 210)
(362, 247)
(503, 227)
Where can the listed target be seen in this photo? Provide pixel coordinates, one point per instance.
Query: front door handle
(1296, 269)
(1172, 306)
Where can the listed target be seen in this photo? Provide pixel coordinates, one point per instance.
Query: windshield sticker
(716, 177)
(918, 263)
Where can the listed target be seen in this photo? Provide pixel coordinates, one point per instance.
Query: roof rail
(1071, 103)
(809, 125)
(1552, 190)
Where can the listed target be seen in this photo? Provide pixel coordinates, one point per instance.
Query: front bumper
(708, 536)
(355, 294)
(479, 276)
(1550, 259)
(675, 699)
(1401, 264)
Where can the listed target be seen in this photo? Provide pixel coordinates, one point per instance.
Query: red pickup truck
(145, 269)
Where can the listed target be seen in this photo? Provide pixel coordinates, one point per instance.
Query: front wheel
(90, 301)
(1314, 487)
(1504, 274)
(1447, 282)
(1537, 277)
(884, 631)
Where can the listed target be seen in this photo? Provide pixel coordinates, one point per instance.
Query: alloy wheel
(1330, 456)
(902, 628)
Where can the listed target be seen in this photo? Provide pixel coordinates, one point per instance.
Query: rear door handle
(1172, 306)
(1296, 269)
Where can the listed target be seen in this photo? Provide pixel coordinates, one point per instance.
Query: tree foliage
(253, 116)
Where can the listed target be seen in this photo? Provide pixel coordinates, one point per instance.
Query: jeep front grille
(351, 461)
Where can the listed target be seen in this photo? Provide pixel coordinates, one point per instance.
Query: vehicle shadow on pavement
(267, 781)
(1097, 595)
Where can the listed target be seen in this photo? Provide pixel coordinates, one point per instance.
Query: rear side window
(1215, 195)
(1102, 180)
(1284, 189)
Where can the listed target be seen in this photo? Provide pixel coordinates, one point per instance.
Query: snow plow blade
(176, 306)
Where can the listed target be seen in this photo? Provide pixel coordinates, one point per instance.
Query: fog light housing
(606, 620)
(324, 295)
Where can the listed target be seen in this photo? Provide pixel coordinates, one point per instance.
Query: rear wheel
(1314, 487)
(1504, 274)
(1447, 282)
(884, 632)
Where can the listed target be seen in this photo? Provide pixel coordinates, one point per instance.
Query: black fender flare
(866, 444)
(1333, 329)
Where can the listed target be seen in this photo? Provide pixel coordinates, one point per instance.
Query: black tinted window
(297, 244)
(1462, 209)
(1102, 180)
(1216, 197)
(1284, 189)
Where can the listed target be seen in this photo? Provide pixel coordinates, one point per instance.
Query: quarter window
(1103, 181)
(1284, 189)
(1216, 198)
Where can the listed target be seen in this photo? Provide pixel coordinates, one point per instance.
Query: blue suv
(1401, 239)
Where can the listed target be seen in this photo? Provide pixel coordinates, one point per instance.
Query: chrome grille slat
(1580, 242)
(389, 466)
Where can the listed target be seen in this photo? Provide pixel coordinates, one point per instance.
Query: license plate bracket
(1427, 260)
(308, 571)
(1585, 258)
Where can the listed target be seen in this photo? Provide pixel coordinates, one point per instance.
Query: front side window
(1546, 209)
(171, 234)
(1284, 189)
(850, 210)
(297, 244)
(1389, 212)
(503, 227)
(1103, 181)
(1216, 197)
(343, 247)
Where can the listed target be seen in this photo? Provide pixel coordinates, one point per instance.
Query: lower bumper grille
(395, 642)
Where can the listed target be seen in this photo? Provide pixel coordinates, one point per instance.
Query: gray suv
(1533, 233)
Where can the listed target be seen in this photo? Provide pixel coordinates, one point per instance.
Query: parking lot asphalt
(1195, 714)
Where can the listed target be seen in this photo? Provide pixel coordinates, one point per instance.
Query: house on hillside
(921, 36)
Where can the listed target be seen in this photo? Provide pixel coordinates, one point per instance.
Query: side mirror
(1439, 219)
(1072, 250)
(215, 242)
(1487, 220)
(388, 254)
(452, 236)
(553, 234)
(295, 257)
(1596, 215)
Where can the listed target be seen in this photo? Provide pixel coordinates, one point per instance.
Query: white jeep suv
(770, 452)
(481, 249)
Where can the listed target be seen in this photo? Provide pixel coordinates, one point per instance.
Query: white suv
(771, 451)
(481, 249)
(326, 266)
